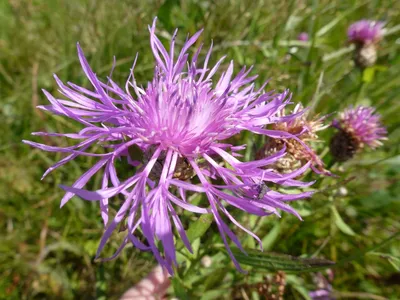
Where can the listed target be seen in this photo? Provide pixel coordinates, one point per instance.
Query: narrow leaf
(197, 229)
(393, 260)
(343, 227)
(368, 75)
(297, 284)
(331, 25)
(273, 261)
(165, 12)
(214, 294)
(338, 53)
(269, 240)
(179, 289)
(360, 253)
(214, 279)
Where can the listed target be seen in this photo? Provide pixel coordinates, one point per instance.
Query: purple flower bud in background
(303, 37)
(322, 294)
(324, 288)
(365, 34)
(173, 133)
(365, 31)
(358, 127)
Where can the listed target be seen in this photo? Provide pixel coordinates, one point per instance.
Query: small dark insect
(183, 169)
(261, 190)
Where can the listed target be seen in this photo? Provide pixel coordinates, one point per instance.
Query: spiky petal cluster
(358, 127)
(365, 32)
(298, 151)
(177, 123)
(303, 36)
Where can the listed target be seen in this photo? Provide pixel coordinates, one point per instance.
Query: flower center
(343, 145)
(183, 169)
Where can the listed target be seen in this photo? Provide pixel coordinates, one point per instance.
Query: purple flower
(364, 124)
(303, 37)
(322, 294)
(365, 32)
(173, 133)
(358, 127)
(325, 290)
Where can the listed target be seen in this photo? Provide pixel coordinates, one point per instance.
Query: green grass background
(47, 252)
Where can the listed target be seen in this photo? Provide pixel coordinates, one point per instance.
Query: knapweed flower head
(358, 127)
(298, 151)
(172, 132)
(303, 36)
(365, 34)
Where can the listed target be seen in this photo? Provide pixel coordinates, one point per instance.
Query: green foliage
(48, 253)
(280, 262)
(197, 229)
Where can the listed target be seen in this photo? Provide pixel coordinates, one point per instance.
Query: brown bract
(297, 153)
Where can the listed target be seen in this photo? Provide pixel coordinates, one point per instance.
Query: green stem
(361, 253)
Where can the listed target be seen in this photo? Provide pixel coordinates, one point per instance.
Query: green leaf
(337, 53)
(343, 227)
(368, 75)
(331, 25)
(360, 253)
(393, 260)
(197, 229)
(179, 288)
(214, 294)
(215, 278)
(165, 12)
(269, 240)
(101, 283)
(302, 291)
(292, 22)
(392, 30)
(273, 261)
(318, 93)
(298, 284)
(395, 264)
(239, 55)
